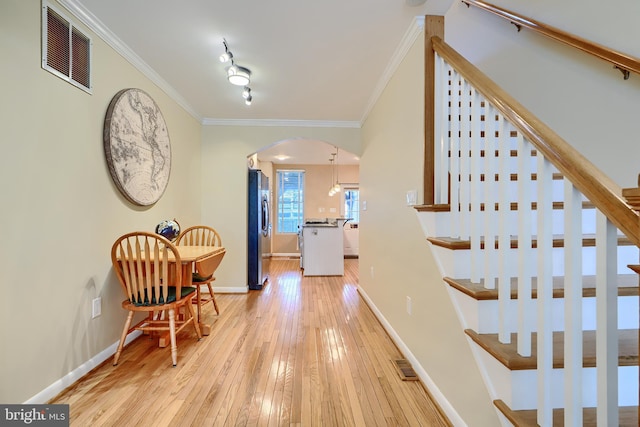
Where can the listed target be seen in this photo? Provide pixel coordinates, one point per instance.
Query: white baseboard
(228, 290)
(449, 410)
(287, 255)
(58, 387)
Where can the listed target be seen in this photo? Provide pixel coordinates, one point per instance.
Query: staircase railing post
(433, 26)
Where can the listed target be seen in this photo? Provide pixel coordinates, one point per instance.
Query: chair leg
(213, 298)
(172, 333)
(123, 337)
(199, 301)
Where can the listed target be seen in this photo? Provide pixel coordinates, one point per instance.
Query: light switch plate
(96, 309)
(412, 197)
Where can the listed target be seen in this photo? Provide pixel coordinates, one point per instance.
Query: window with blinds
(66, 50)
(290, 200)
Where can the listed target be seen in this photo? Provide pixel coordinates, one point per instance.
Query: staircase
(539, 251)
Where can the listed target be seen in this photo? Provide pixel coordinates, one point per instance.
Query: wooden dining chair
(149, 270)
(202, 235)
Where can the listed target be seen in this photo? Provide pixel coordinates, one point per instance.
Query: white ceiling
(307, 152)
(311, 61)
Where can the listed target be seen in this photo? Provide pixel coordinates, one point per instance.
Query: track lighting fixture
(236, 74)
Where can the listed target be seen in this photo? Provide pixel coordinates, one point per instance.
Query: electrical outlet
(409, 305)
(96, 308)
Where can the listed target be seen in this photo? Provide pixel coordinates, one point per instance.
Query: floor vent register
(405, 370)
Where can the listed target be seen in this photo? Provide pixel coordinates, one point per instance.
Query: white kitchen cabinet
(322, 250)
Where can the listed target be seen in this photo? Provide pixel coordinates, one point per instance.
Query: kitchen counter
(321, 249)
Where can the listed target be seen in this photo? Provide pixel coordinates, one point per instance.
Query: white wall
(584, 99)
(60, 210)
(395, 261)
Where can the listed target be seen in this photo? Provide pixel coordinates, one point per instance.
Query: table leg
(187, 273)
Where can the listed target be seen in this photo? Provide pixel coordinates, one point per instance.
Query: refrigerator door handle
(265, 217)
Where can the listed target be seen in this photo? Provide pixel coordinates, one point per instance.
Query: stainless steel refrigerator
(259, 230)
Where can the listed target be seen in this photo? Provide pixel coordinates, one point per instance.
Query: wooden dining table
(188, 256)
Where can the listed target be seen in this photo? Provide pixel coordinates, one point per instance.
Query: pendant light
(331, 186)
(336, 188)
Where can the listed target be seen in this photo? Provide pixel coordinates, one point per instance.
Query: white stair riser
(481, 315)
(512, 191)
(457, 263)
(518, 389)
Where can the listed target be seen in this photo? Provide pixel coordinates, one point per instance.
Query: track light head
(239, 76)
(226, 57)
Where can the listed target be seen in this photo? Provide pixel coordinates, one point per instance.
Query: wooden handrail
(621, 61)
(605, 194)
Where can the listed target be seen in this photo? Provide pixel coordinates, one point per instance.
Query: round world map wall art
(137, 146)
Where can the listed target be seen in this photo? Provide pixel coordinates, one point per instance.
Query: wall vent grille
(66, 50)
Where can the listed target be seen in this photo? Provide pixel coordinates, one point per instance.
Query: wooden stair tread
(496, 153)
(514, 177)
(635, 268)
(507, 354)
(433, 208)
(628, 416)
(627, 286)
(453, 243)
(444, 207)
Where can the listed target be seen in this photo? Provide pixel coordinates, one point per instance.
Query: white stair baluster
(491, 189)
(526, 255)
(454, 154)
(441, 145)
(504, 237)
(606, 321)
(465, 164)
(545, 291)
(572, 305)
(476, 215)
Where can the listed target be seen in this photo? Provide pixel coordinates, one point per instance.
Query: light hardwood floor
(304, 351)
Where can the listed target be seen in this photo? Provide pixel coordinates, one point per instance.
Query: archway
(313, 158)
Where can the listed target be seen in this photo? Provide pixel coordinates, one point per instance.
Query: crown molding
(78, 10)
(280, 123)
(409, 38)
